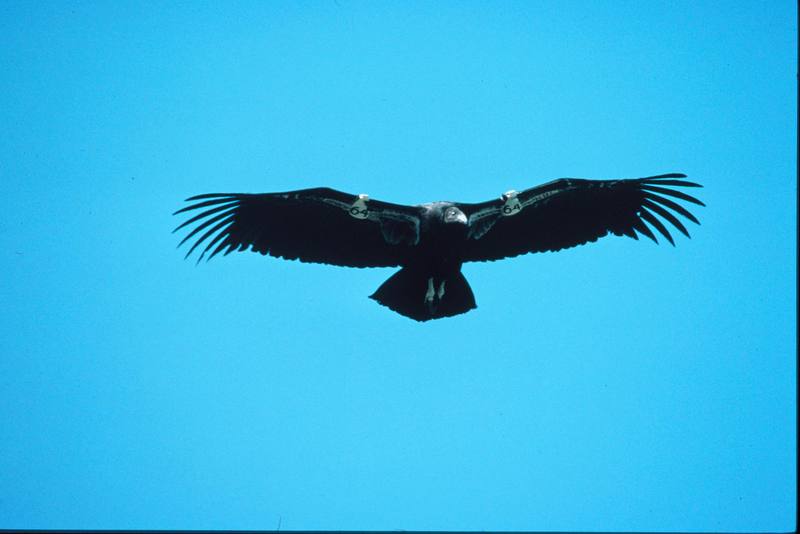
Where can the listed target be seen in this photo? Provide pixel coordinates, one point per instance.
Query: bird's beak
(461, 217)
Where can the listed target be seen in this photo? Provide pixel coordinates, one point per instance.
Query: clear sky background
(615, 386)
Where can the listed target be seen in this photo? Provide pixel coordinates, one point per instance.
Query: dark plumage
(431, 241)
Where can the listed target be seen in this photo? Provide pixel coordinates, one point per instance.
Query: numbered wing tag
(512, 205)
(359, 208)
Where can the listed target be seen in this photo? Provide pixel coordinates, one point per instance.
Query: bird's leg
(430, 293)
(440, 291)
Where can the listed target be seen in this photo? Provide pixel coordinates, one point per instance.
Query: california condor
(431, 241)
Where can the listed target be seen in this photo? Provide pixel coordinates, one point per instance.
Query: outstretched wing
(318, 225)
(571, 211)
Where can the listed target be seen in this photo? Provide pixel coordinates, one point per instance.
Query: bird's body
(432, 268)
(430, 242)
(439, 249)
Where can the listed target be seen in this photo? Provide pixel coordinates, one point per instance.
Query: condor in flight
(430, 242)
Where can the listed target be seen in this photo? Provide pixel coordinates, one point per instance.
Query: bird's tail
(421, 297)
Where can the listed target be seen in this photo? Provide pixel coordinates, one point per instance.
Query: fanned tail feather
(405, 292)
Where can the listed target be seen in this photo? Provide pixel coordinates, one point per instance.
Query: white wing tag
(359, 208)
(512, 205)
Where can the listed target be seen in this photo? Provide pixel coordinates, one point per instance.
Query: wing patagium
(318, 225)
(572, 211)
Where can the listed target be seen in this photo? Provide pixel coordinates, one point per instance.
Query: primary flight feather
(431, 241)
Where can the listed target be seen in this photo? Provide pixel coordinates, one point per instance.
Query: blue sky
(616, 386)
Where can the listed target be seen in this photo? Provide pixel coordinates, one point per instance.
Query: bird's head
(454, 215)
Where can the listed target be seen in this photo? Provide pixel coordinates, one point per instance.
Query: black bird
(431, 241)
